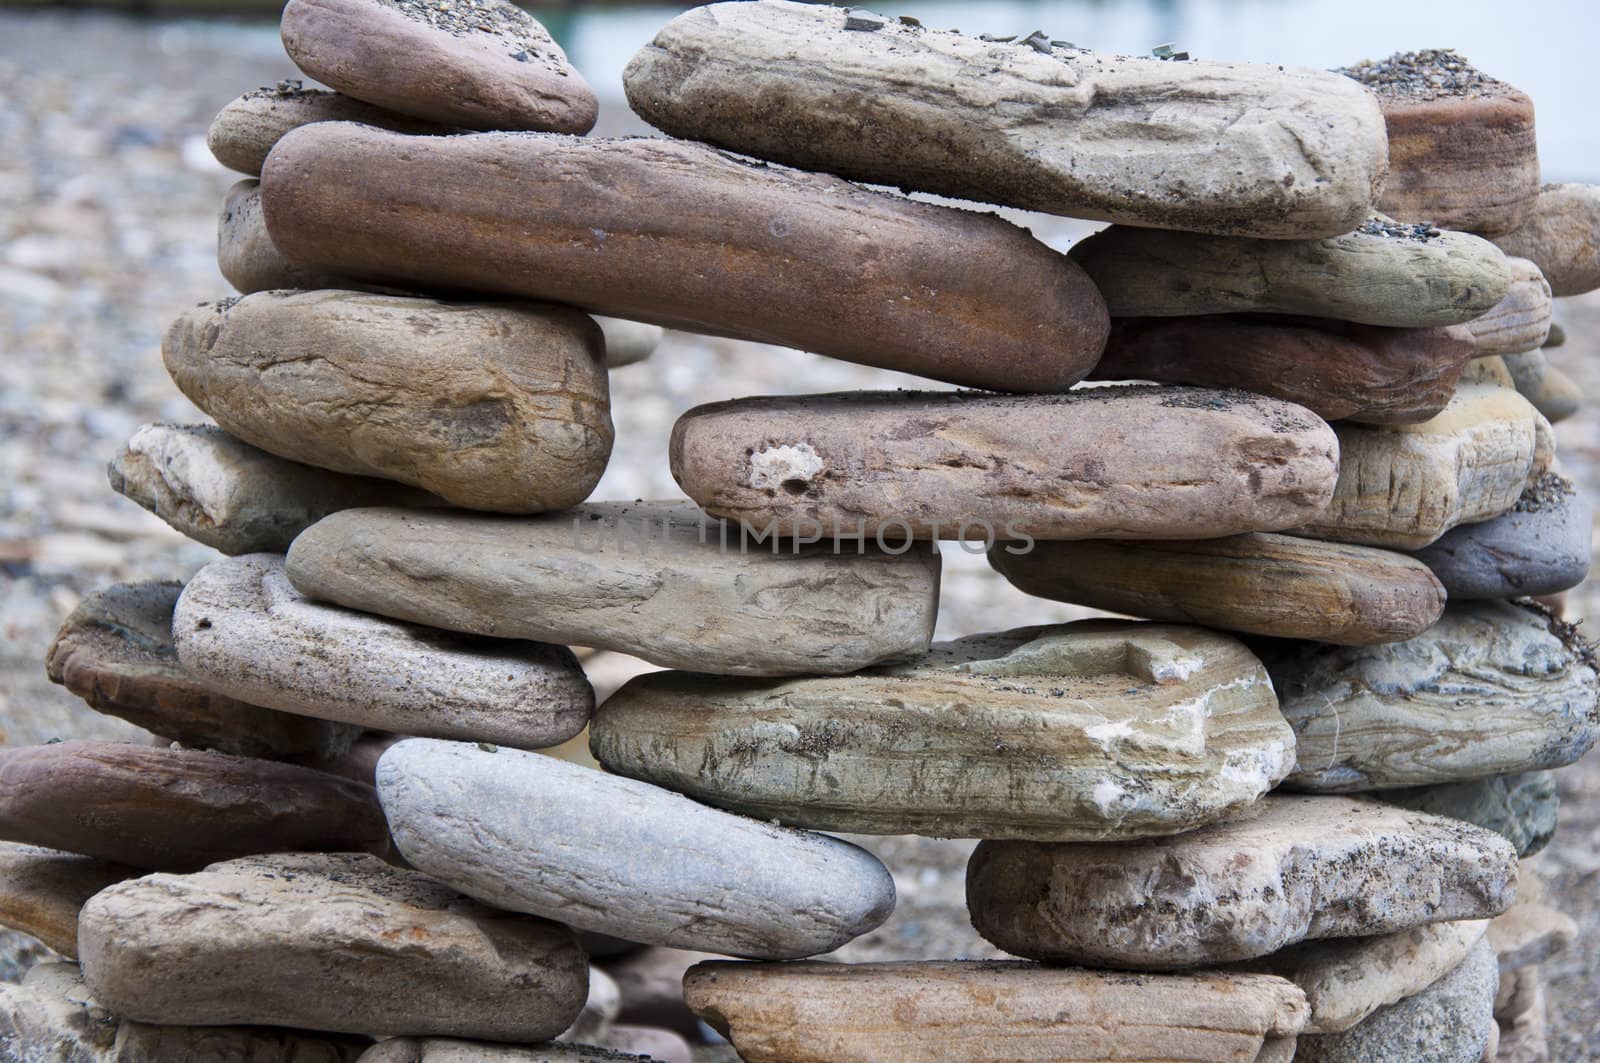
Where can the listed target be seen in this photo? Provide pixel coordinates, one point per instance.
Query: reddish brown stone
(178, 810)
(1339, 370)
(681, 235)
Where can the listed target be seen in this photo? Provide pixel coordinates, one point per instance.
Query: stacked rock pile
(1277, 816)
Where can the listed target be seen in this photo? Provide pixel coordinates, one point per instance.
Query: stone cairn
(1279, 816)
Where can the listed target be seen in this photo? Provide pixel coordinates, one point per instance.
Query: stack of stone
(344, 831)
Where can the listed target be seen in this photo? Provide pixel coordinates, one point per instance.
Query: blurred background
(108, 209)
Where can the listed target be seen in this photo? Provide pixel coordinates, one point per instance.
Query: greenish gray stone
(1521, 808)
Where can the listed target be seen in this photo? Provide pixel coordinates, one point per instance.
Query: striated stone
(1521, 808)
(1347, 979)
(1403, 486)
(490, 406)
(1562, 237)
(1448, 1022)
(41, 891)
(1540, 547)
(624, 858)
(628, 341)
(341, 942)
(1462, 152)
(448, 1050)
(1336, 370)
(1492, 688)
(1381, 273)
(1238, 148)
(812, 262)
(1551, 391)
(656, 580)
(115, 651)
(991, 1012)
(245, 130)
(1294, 869)
(243, 630)
(52, 1018)
(232, 496)
(483, 64)
(1098, 730)
(1520, 321)
(1529, 934)
(177, 809)
(1130, 462)
(651, 983)
(246, 256)
(1262, 583)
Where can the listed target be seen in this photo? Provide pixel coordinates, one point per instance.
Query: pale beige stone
(1403, 486)
(42, 890)
(1488, 369)
(992, 1012)
(1097, 730)
(1521, 320)
(1561, 237)
(245, 130)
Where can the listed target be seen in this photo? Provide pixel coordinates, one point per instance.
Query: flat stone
(1529, 934)
(999, 1012)
(1130, 462)
(52, 1018)
(1551, 391)
(245, 130)
(1521, 808)
(41, 891)
(1337, 370)
(1347, 979)
(450, 1050)
(1462, 153)
(246, 256)
(1520, 321)
(1246, 149)
(628, 342)
(1380, 273)
(1540, 547)
(482, 64)
(1098, 730)
(341, 942)
(243, 630)
(620, 857)
(651, 983)
(1448, 1022)
(1403, 486)
(1263, 583)
(489, 406)
(1492, 688)
(234, 497)
(1295, 869)
(115, 651)
(653, 580)
(1562, 237)
(823, 265)
(176, 809)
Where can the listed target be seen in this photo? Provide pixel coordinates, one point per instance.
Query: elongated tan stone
(1294, 869)
(1520, 321)
(483, 64)
(1492, 688)
(1338, 371)
(656, 580)
(177, 809)
(244, 131)
(953, 1012)
(52, 1018)
(42, 890)
(1097, 730)
(489, 406)
(1380, 273)
(246, 256)
(1132, 462)
(811, 261)
(1262, 583)
(337, 941)
(235, 497)
(1562, 237)
(1248, 149)
(1403, 486)
(1347, 979)
(1462, 152)
(619, 857)
(243, 630)
(115, 651)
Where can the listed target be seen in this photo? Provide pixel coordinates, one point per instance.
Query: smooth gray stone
(1540, 547)
(602, 853)
(1446, 1023)
(1521, 808)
